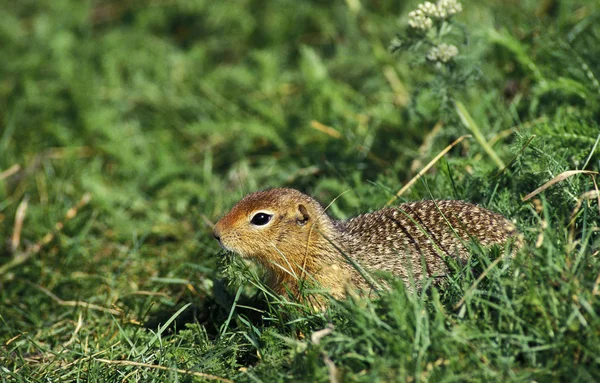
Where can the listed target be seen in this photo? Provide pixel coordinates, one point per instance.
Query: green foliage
(167, 113)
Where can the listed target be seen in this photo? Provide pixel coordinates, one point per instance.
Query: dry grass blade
(305, 258)
(10, 171)
(426, 168)
(401, 95)
(325, 129)
(584, 197)
(425, 146)
(331, 368)
(316, 336)
(77, 151)
(19, 218)
(596, 284)
(164, 368)
(83, 304)
(207, 221)
(561, 177)
(597, 192)
(21, 257)
(8, 342)
(75, 332)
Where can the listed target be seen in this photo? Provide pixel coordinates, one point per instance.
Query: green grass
(166, 113)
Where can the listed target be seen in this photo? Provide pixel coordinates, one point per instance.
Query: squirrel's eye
(261, 219)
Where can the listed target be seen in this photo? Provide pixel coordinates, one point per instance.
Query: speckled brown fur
(301, 242)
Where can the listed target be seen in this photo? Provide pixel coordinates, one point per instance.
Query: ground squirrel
(291, 235)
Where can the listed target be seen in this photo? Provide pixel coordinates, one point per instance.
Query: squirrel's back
(419, 235)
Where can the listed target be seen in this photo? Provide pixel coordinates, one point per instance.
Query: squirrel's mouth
(229, 249)
(222, 245)
(229, 244)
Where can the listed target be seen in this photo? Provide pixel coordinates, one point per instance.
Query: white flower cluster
(447, 8)
(419, 20)
(443, 52)
(422, 17)
(428, 9)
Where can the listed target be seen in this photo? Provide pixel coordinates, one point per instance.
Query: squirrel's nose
(217, 234)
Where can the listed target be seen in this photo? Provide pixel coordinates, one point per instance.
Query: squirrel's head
(274, 226)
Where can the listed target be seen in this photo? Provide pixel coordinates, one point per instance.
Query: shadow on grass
(212, 311)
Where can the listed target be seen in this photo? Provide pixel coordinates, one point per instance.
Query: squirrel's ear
(302, 215)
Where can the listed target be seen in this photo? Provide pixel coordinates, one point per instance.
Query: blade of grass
(164, 368)
(561, 177)
(225, 326)
(470, 124)
(426, 168)
(162, 328)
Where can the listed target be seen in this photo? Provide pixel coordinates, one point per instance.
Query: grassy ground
(127, 128)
